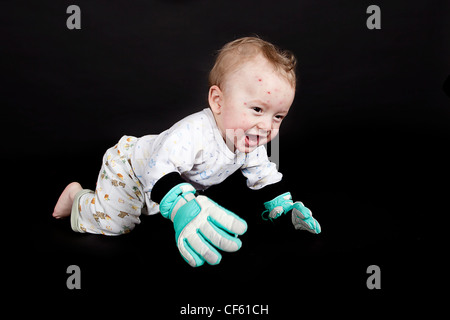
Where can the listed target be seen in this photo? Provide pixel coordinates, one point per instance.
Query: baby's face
(252, 104)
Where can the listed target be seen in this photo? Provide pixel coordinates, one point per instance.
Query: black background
(365, 147)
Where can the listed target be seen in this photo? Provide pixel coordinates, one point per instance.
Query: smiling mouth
(252, 140)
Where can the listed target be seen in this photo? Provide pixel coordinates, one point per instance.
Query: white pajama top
(195, 149)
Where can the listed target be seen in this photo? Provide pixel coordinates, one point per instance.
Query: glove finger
(301, 211)
(219, 237)
(318, 228)
(311, 225)
(199, 243)
(223, 218)
(189, 254)
(276, 212)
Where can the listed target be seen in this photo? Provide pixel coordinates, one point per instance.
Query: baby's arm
(201, 225)
(173, 150)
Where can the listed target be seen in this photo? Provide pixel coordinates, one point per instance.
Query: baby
(252, 87)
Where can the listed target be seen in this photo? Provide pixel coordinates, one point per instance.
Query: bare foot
(63, 207)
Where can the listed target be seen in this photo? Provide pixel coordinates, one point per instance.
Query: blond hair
(235, 53)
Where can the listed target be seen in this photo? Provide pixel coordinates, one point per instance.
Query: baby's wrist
(164, 185)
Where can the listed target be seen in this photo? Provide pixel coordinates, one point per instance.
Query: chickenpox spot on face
(259, 79)
(268, 92)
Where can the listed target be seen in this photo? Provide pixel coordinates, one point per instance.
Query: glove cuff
(275, 207)
(175, 198)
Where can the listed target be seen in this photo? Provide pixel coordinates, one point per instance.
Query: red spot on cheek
(245, 103)
(268, 92)
(259, 80)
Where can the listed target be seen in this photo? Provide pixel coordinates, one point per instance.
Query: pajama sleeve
(262, 175)
(259, 170)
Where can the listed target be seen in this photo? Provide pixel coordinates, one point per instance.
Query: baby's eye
(257, 109)
(279, 117)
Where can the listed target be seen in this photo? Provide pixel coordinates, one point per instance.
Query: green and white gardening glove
(201, 225)
(301, 216)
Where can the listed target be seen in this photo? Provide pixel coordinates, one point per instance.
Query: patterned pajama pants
(115, 206)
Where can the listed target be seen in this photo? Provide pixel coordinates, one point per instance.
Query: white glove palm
(200, 225)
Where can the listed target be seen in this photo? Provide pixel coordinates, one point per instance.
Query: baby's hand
(301, 216)
(201, 225)
(303, 220)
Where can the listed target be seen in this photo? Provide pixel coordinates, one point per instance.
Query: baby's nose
(265, 125)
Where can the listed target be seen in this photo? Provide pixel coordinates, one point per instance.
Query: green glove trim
(181, 191)
(201, 225)
(275, 207)
(190, 211)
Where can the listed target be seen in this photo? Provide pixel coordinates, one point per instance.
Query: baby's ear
(215, 99)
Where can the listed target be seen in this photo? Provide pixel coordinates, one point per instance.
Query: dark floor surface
(384, 216)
